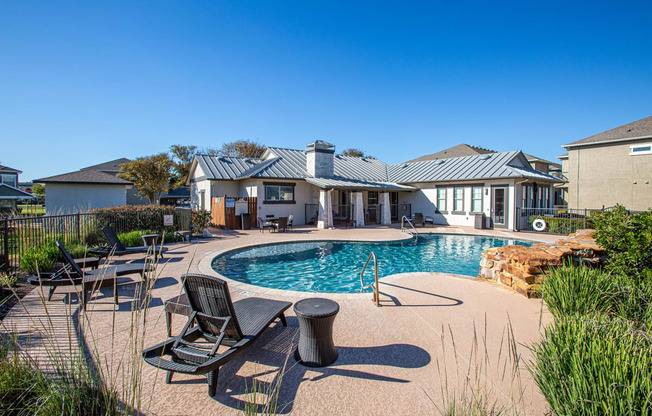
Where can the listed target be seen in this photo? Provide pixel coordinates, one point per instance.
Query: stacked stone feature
(523, 268)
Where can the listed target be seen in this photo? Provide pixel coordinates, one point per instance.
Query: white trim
(644, 152)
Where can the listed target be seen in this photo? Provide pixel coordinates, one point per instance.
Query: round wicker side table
(316, 317)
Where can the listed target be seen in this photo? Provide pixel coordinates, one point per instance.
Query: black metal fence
(553, 220)
(19, 234)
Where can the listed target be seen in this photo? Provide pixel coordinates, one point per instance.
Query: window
(476, 199)
(441, 199)
(640, 149)
(459, 200)
(372, 198)
(279, 193)
(9, 180)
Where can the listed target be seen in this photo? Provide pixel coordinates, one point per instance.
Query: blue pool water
(334, 266)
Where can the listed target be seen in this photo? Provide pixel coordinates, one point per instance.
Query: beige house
(613, 167)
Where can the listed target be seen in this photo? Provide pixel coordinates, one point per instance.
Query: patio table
(316, 317)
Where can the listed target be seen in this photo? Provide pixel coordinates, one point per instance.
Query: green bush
(41, 258)
(627, 238)
(19, 380)
(595, 365)
(132, 239)
(569, 290)
(139, 217)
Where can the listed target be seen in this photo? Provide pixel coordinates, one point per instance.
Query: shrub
(132, 239)
(136, 217)
(595, 365)
(42, 258)
(627, 238)
(20, 381)
(200, 219)
(578, 290)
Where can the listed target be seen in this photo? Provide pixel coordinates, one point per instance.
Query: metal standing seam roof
(223, 167)
(344, 183)
(479, 167)
(368, 172)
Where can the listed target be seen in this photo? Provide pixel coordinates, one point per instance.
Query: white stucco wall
(304, 193)
(73, 198)
(424, 201)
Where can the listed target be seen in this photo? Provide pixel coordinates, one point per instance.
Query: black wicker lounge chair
(218, 321)
(116, 247)
(72, 275)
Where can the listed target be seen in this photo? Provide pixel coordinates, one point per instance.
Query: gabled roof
(7, 169)
(369, 173)
(455, 151)
(641, 129)
(501, 165)
(9, 192)
(112, 166)
(223, 167)
(86, 176)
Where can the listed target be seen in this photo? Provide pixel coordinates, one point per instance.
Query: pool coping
(246, 289)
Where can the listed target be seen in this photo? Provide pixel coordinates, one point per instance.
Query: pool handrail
(376, 298)
(405, 229)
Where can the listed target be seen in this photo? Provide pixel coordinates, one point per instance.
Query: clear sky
(87, 82)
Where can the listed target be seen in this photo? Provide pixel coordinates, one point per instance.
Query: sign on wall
(168, 220)
(230, 203)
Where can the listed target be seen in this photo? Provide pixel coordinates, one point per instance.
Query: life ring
(539, 224)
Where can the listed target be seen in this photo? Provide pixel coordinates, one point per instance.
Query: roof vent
(404, 165)
(363, 159)
(629, 128)
(484, 157)
(439, 162)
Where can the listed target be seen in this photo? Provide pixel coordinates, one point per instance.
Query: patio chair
(218, 321)
(418, 219)
(428, 220)
(282, 224)
(290, 219)
(265, 225)
(73, 275)
(116, 247)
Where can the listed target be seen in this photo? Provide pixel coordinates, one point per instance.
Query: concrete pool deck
(396, 359)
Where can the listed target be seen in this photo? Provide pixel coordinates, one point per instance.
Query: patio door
(499, 207)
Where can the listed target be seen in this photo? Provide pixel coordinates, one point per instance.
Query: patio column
(325, 214)
(386, 212)
(358, 206)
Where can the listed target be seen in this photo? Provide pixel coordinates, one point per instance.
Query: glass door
(499, 207)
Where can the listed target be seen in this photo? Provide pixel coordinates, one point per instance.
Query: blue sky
(86, 82)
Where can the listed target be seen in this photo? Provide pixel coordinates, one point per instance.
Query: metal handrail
(376, 298)
(405, 229)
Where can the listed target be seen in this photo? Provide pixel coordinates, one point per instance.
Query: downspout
(515, 209)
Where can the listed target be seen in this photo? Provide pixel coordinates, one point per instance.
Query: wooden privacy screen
(223, 216)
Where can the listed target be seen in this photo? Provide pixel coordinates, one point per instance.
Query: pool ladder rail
(374, 285)
(413, 231)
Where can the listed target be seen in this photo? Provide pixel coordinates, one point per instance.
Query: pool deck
(394, 359)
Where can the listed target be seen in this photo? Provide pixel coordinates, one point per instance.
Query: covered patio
(358, 202)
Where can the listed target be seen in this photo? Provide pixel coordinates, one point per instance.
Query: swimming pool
(334, 266)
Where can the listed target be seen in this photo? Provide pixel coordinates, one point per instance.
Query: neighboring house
(10, 192)
(96, 186)
(315, 185)
(612, 167)
(176, 196)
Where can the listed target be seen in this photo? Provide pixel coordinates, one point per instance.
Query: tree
(38, 190)
(150, 174)
(182, 157)
(353, 152)
(243, 148)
